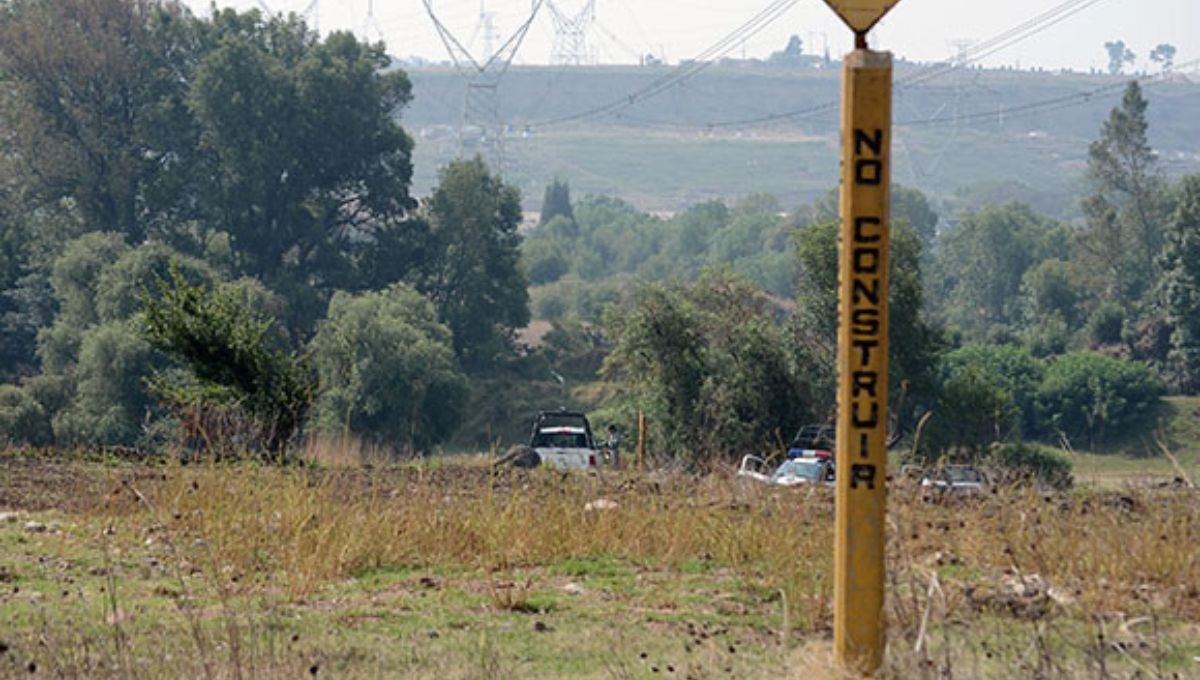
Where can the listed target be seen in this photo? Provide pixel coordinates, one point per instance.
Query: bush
(388, 372)
(1022, 463)
(1088, 394)
(23, 421)
(1104, 325)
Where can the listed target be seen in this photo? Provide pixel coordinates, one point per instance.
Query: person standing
(613, 444)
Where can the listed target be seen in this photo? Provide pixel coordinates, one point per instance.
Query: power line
(1008, 38)
(751, 27)
(1051, 104)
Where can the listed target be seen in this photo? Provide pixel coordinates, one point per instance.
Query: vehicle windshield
(804, 469)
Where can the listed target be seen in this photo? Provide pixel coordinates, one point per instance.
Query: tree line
(206, 224)
(207, 236)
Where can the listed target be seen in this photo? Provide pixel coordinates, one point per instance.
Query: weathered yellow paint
(861, 15)
(862, 360)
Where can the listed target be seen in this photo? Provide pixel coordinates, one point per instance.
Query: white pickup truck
(561, 439)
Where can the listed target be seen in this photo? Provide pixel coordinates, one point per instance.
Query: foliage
(1105, 324)
(1180, 286)
(23, 421)
(387, 370)
(972, 412)
(1089, 395)
(84, 80)
(226, 347)
(24, 308)
(984, 260)
(710, 364)
(1164, 54)
(1120, 243)
(1118, 56)
(1010, 368)
(557, 203)
(475, 282)
(913, 344)
(1021, 462)
(111, 403)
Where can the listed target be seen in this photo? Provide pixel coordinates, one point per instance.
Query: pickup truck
(561, 439)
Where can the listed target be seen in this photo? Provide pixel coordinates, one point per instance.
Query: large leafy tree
(84, 80)
(1180, 285)
(238, 135)
(293, 193)
(387, 369)
(983, 261)
(711, 365)
(475, 279)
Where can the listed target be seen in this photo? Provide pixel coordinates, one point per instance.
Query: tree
(710, 364)
(912, 342)
(1118, 56)
(1180, 286)
(1123, 233)
(84, 80)
(111, 403)
(1085, 394)
(387, 369)
(1164, 54)
(23, 421)
(232, 358)
(557, 203)
(983, 261)
(292, 196)
(791, 52)
(475, 280)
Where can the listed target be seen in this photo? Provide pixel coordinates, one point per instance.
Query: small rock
(35, 527)
(540, 627)
(573, 589)
(10, 516)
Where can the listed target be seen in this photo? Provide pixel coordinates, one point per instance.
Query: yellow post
(859, 627)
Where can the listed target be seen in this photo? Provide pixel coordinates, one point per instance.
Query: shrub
(1089, 394)
(388, 372)
(23, 421)
(1024, 463)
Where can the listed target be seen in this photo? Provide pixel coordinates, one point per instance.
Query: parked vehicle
(561, 439)
(954, 479)
(804, 469)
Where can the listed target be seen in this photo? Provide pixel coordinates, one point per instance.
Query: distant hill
(997, 134)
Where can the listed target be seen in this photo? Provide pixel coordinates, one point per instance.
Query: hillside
(966, 129)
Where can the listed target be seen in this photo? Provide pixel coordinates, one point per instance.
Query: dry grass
(258, 572)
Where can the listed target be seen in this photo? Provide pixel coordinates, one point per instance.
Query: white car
(954, 479)
(815, 469)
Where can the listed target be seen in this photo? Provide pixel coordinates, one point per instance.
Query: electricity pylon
(481, 127)
(570, 34)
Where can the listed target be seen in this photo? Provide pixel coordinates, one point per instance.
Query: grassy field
(449, 570)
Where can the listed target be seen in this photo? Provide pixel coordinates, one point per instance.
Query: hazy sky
(919, 30)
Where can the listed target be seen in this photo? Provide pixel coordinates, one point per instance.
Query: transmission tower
(310, 14)
(481, 128)
(570, 34)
